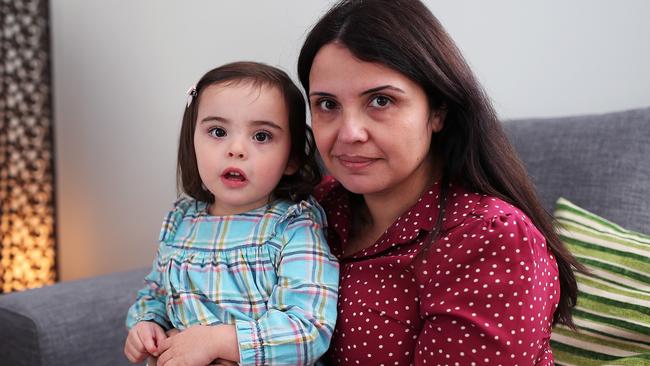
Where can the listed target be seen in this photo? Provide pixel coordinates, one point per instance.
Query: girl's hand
(172, 332)
(143, 340)
(198, 345)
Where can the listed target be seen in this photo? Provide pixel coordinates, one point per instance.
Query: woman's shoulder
(495, 239)
(470, 205)
(486, 215)
(493, 230)
(491, 207)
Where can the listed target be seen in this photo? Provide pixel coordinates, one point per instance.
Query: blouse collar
(417, 221)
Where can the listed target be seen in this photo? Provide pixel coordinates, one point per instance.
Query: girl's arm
(150, 301)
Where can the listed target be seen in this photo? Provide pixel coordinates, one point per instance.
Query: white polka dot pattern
(484, 293)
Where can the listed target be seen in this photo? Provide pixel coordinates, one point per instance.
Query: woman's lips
(355, 161)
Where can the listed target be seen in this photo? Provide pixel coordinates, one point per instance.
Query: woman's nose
(352, 129)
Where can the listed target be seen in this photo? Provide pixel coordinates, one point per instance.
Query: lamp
(27, 245)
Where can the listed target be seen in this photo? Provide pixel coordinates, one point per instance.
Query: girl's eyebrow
(365, 92)
(254, 123)
(270, 124)
(215, 118)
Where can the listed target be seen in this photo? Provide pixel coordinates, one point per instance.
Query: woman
(447, 256)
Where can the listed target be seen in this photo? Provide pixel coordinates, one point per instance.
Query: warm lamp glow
(27, 252)
(27, 247)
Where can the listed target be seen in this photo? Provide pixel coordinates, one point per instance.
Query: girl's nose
(236, 149)
(239, 155)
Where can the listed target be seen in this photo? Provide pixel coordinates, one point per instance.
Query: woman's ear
(437, 118)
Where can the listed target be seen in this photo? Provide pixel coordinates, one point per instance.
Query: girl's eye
(326, 104)
(380, 101)
(217, 132)
(262, 136)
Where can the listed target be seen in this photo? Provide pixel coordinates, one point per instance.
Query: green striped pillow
(613, 310)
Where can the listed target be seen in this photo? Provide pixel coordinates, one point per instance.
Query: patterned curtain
(27, 245)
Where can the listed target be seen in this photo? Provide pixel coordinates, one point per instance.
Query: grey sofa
(600, 162)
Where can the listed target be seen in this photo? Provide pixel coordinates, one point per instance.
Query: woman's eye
(262, 136)
(380, 101)
(217, 132)
(326, 104)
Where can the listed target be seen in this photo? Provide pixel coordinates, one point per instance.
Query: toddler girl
(242, 269)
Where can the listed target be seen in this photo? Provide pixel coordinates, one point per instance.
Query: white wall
(551, 58)
(121, 69)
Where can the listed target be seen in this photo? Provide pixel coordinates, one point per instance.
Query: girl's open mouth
(233, 177)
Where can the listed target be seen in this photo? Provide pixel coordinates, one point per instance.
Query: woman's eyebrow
(365, 92)
(380, 88)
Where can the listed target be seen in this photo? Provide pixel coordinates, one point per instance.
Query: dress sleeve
(150, 301)
(489, 295)
(299, 322)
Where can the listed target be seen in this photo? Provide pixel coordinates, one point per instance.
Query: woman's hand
(199, 345)
(143, 340)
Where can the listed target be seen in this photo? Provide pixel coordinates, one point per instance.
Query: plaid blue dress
(268, 271)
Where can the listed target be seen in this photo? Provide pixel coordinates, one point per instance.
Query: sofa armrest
(70, 323)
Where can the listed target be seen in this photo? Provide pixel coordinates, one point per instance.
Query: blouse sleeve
(150, 301)
(299, 322)
(490, 295)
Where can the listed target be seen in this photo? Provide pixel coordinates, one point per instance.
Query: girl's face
(242, 144)
(372, 124)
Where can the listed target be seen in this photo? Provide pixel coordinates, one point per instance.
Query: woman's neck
(386, 206)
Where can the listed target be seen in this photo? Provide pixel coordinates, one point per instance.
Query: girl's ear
(291, 168)
(437, 118)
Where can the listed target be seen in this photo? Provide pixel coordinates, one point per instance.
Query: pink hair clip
(191, 93)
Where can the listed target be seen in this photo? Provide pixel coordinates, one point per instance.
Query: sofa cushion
(69, 323)
(613, 309)
(601, 162)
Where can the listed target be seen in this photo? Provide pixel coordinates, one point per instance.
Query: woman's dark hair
(296, 186)
(405, 36)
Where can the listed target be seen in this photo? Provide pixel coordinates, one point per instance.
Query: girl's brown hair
(296, 186)
(405, 36)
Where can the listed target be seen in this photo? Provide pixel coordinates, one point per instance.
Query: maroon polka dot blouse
(484, 293)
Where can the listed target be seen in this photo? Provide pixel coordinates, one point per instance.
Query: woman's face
(372, 124)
